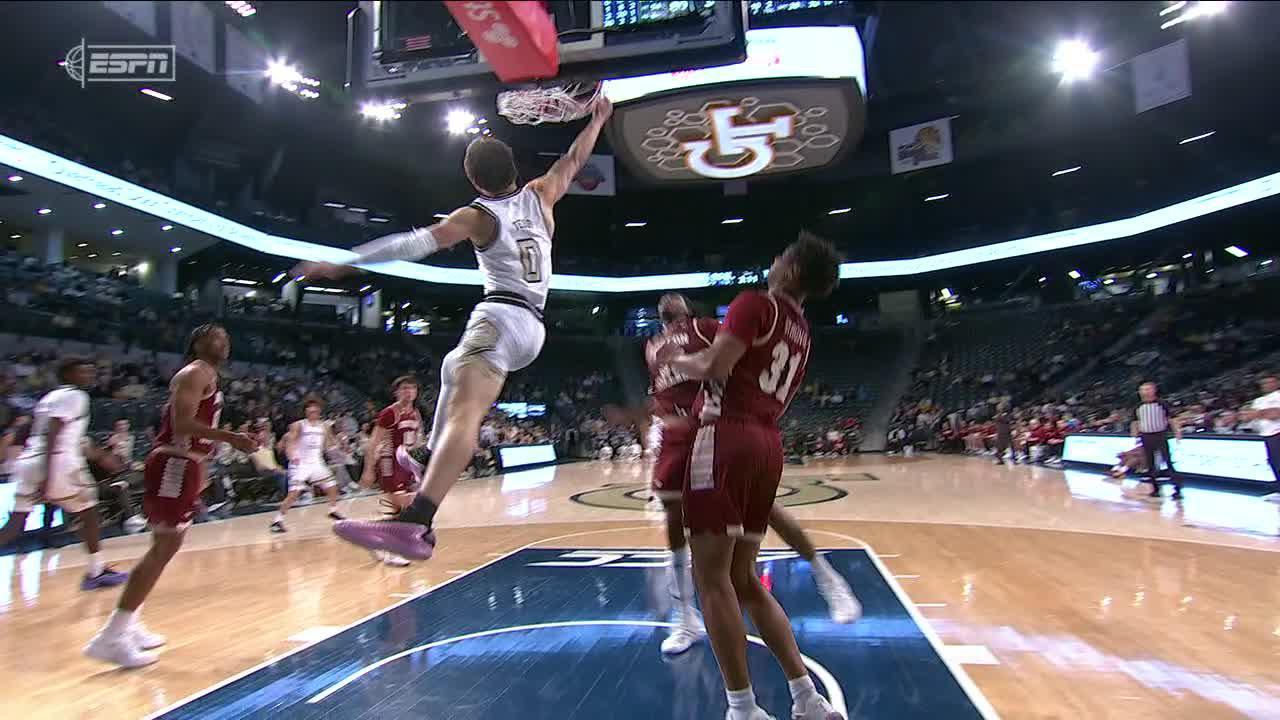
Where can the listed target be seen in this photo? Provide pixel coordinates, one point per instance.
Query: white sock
(741, 702)
(683, 572)
(119, 622)
(821, 568)
(801, 689)
(95, 564)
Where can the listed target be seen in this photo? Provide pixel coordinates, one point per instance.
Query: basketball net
(555, 103)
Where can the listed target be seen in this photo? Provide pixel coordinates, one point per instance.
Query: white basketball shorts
(71, 487)
(509, 337)
(303, 474)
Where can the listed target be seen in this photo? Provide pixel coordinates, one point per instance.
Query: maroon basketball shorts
(732, 478)
(171, 489)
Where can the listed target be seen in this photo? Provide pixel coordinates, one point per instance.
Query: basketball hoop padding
(516, 37)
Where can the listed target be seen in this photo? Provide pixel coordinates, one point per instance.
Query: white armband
(413, 245)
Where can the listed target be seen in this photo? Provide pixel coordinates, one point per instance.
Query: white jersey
(70, 405)
(518, 261)
(310, 444)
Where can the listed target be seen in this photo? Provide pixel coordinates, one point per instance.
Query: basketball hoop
(555, 103)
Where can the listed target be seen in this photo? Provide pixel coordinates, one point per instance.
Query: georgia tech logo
(792, 492)
(732, 140)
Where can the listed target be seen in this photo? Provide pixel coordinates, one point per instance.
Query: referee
(1152, 426)
(1265, 414)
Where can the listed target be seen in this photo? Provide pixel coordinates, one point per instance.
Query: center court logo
(121, 63)
(792, 492)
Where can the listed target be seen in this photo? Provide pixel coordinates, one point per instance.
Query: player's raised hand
(322, 270)
(601, 109)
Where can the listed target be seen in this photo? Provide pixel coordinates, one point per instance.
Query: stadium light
(1152, 275)
(1108, 281)
(359, 210)
(1173, 8)
(175, 249)
(156, 94)
(15, 178)
(166, 228)
(1043, 279)
(1205, 8)
(839, 211)
(1186, 256)
(280, 72)
(383, 111)
(117, 232)
(278, 278)
(1073, 274)
(93, 255)
(730, 221)
(1074, 60)
(82, 245)
(379, 220)
(15, 236)
(116, 254)
(935, 198)
(1194, 138)
(636, 224)
(1237, 251)
(99, 205)
(1066, 171)
(458, 121)
(946, 293)
(366, 288)
(242, 8)
(1266, 262)
(43, 211)
(335, 205)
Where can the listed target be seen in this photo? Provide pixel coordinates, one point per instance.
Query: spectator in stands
(120, 442)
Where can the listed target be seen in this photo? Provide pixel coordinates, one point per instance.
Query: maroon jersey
(404, 426)
(673, 392)
(769, 373)
(209, 412)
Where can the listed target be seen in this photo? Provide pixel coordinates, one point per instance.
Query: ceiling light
(1266, 262)
(379, 220)
(315, 288)
(156, 94)
(1074, 59)
(636, 224)
(1044, 279)
(115, 254)
(1194, 138)
(93, 255)
(166, 228)
(1173, 8)
(404, 306)
(458, 121)
(278, 278)
(1066, 171)
(117, 232)
(365, 288)
(15, 178)
(15, 236)
(337, 205)
(281, 73)
(99, 205)
(175, 249)
(946, 294)
(43, 211)
(1152, 275)
(839, 211)
(1108, 281)
(355, 209)
(473, 130)
(932, 198)
(1205, 8)
(383, 111)
(1073, 274)
(80, 245)
(1237, 251)
(731, 221)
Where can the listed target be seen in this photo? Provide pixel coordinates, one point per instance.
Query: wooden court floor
(1061, 595)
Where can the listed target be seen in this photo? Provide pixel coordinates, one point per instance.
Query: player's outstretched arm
(376, 438)
(714, 363)
(553, 186)
(415, 244)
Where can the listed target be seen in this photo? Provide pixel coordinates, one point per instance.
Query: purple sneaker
(415, 461)
(107, 578)
(410, 540)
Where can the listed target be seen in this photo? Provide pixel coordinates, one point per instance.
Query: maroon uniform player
(753, 369)
(397, 430)
(175, 475)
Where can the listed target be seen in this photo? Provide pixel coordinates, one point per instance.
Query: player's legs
(841, 602)
(290, 497)
(465, 399)
(713, 573)
(97, 573)
(13, 527)
(668, 484)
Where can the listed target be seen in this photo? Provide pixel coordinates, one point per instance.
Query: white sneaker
(815, 707)
(390, 558)
(841, 602)
(690, 631)
(122, 651)
(756, 714)
(146, 639)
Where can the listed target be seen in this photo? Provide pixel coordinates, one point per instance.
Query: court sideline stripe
(266, 663)
(966, 683)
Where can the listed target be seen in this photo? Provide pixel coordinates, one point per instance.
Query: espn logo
(121, 63)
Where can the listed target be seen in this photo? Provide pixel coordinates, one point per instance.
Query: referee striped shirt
(1153, 417)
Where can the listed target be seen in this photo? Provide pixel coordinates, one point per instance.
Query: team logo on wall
(740, 131)
(636, 496)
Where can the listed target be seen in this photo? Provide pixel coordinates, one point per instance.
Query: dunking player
(52, 467)
(673, 396)
(398, 430)
(510, 228)
(175, 474)
(305, 445)
(754, 366)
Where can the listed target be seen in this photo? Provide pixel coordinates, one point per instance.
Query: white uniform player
(510, 227)
(53, 468)
(70, 485)
(306, 443)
